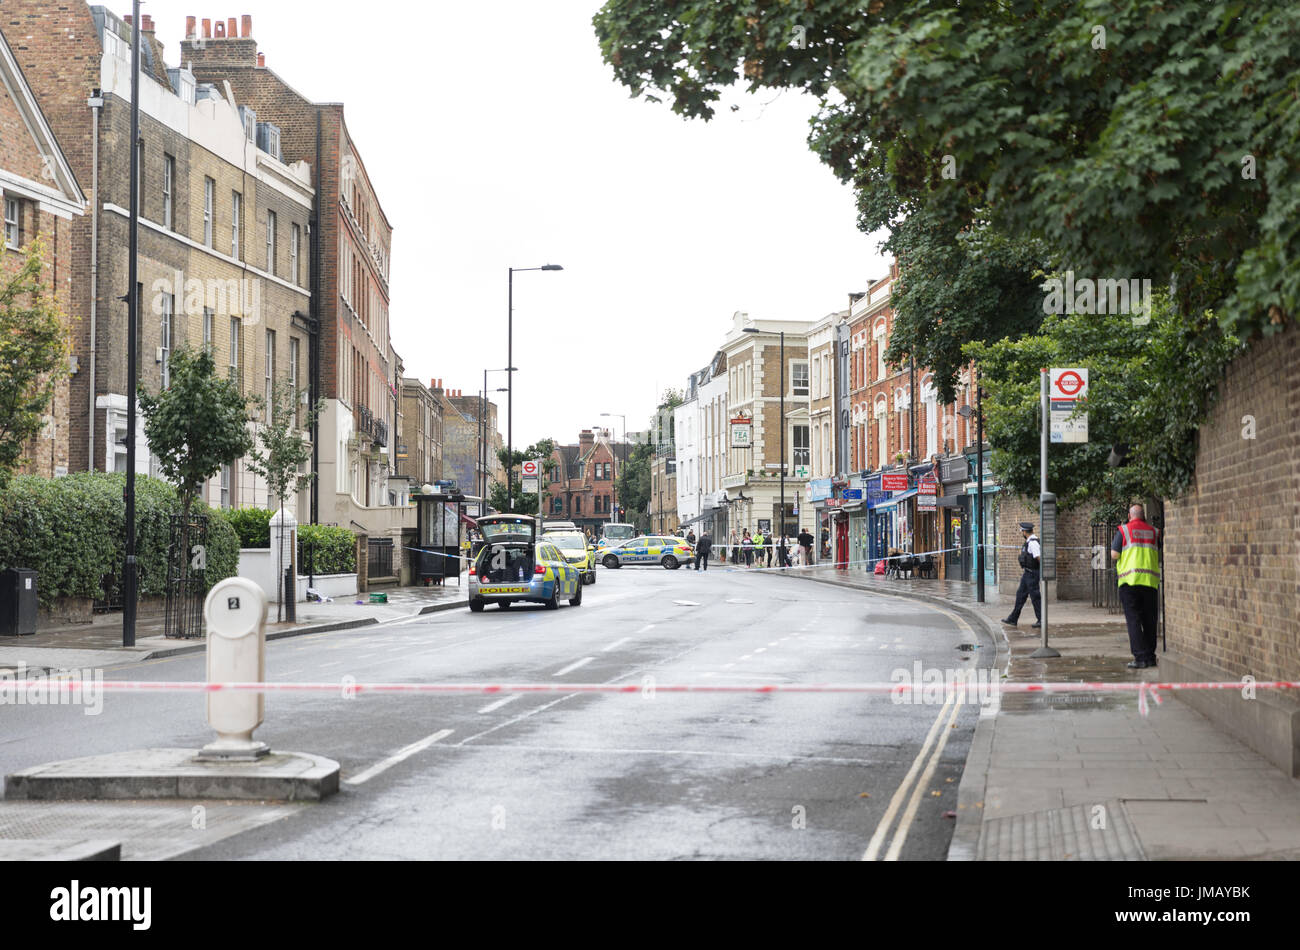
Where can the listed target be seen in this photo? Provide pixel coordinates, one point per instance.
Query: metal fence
(1105, 589)
(379, 553)
(187, 584)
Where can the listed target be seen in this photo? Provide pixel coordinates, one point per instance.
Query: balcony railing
(371, 427)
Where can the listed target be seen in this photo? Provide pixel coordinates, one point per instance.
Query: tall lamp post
(130, 578)
(782, 391)
(510, 362)
(483, 426)
(615, 415)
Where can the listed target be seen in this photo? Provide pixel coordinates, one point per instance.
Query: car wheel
(476, 605)
(576, 599)
(505, 604)
(670, 563)
(591, 578)
(610, 561)
(554, 602)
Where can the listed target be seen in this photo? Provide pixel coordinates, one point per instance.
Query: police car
(515, 565)
(649, 549)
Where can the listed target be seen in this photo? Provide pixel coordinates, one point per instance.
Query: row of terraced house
(261, 238)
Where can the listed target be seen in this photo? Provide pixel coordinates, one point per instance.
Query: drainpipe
(96, 103)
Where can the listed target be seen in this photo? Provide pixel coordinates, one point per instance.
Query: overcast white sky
(496, 137)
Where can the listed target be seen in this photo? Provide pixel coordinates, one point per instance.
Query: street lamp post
(624, 419)
(510, 395)
(130, 577)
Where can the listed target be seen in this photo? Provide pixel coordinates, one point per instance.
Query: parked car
(573, 545)
(515, 565)
(649, 549)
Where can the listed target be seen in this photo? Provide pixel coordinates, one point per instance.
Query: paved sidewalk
(99, 644)
(1079, 776)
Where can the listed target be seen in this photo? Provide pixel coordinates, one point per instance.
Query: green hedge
(252, 525)
(71, 531)
(335, 549)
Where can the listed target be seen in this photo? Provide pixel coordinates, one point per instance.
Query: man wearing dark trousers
(1030, 560)
(1136, 548)
(702, 550)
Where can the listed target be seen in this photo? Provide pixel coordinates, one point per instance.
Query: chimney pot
(207, 28)
(221, 30)
(246, 30)
(261, 59)
(189, 27)
(127, 19)
(146, 23)
(232, 28)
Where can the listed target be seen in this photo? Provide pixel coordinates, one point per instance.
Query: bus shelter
(442, 523)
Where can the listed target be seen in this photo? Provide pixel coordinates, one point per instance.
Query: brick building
(463, 439)
(40, 199)
(580, 484)
(419, 441)
(223, 230)
(359, 372)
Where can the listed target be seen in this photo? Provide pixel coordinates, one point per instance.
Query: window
(270, 375)
(118, 421)
(882, 436)
(225, 486)
(207, 330)
(879, 340)
(294, 234)
(234, 353)
(236, 213)
(13, 229)
(169, 187)
(270, 242)
(165, 338)
(293, 378)
(209, 196)
(116, 46)
(802, 455)
(577, 505)
(799, 373)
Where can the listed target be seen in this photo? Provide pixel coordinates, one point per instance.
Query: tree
(33, 356)
(524, 504)
(1149, 387)
(281, 451)
(195, 426)
(634, 484)
(1134, 140)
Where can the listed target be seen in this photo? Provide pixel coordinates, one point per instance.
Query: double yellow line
(951, 707)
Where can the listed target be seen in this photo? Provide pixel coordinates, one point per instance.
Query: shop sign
(851, 494)
(954, 469)
(893, 481)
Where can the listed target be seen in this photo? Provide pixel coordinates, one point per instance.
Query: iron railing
(187, 585)
(1105, 589)
(379, 557)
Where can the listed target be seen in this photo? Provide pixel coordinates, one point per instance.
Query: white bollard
(236, 614)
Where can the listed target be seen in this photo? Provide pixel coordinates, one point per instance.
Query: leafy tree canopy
(197, 424)
(1135, 140)
(1149, 386)
(33, 356)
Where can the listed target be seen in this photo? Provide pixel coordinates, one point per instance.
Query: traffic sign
(1067, 384)
(1065, 389)
(529, 485)
(532, 468)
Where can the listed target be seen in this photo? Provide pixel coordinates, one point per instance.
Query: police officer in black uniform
(1030, 559)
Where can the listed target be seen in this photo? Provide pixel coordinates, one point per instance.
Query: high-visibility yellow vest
(1139, 558)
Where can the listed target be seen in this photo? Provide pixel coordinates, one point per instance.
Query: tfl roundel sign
(1068, 384)
(532, 468)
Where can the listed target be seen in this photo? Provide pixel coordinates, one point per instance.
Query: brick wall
(1232, 546)
(1073, 546)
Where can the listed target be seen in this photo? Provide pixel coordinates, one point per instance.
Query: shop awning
(890, 502)
(707, 516)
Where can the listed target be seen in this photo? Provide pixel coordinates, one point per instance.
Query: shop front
(818, 494)
(954, 516)
(984, 524)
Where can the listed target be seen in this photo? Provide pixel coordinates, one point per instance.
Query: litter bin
(17, 602)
